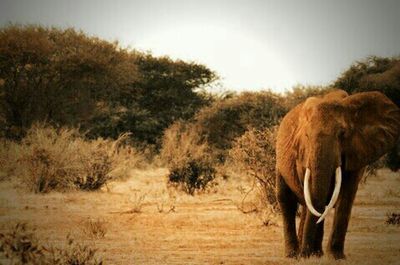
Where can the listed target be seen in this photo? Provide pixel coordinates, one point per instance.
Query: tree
(57, 76)
(164, 92)
(171, 90)
(67, 78)
(373, 73)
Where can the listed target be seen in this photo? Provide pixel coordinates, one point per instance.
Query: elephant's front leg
(288, 204)
(342, 214)
(312, 236)
(317, 247)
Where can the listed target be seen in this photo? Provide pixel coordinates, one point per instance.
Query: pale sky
(251, 44)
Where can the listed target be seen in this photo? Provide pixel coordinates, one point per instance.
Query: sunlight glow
(242, 61)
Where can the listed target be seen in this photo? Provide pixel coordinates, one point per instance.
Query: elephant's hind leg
(288, 203)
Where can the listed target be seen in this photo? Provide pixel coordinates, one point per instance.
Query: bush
(49, 160)
(393, 218)
(20, 246)
(195, 175)
(60, 159)
(188, 159)
(225, 120)
(95, 229)
(254, 153)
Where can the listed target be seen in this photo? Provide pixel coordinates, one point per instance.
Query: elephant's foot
(292, 250)
(291, 253)
(305, 252)
(336, 251)
(317, 251)
(308, 252)
(337, 254)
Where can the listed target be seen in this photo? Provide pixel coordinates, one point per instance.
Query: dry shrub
(73, 254)
(137, 202)
(60, 159)
(188, 158)
(20, 246)
(105, 160)
(95, 228)
(50, 158)
(393, 218)
(254, 152)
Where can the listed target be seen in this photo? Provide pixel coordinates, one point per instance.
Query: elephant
(322, 148)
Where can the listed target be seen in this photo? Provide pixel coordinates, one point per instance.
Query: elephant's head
(339, 133)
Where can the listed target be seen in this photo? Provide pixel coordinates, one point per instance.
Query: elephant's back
(286, 138)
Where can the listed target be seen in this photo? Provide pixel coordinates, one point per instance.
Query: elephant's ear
(373, 128)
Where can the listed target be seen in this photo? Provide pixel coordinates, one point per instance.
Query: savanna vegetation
(66, 78)
(20, 245)
(79, 113)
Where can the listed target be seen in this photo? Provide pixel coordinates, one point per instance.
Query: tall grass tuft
(95, 228)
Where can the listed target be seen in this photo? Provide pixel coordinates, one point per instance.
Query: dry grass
(20, 245)
(137, 202)
(203, 229)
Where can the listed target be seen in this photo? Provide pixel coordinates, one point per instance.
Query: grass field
(142, 221)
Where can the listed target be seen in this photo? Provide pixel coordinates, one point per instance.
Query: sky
(251, 44)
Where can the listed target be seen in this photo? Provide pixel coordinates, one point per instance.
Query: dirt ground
(147, 223)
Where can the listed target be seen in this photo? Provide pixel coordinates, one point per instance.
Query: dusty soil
(148, 223)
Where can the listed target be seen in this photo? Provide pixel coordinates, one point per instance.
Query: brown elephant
(322, 148)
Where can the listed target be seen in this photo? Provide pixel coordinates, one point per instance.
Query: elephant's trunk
(335, 195)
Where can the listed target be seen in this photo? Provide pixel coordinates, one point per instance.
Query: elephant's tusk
(335, 195)
(307, 196)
